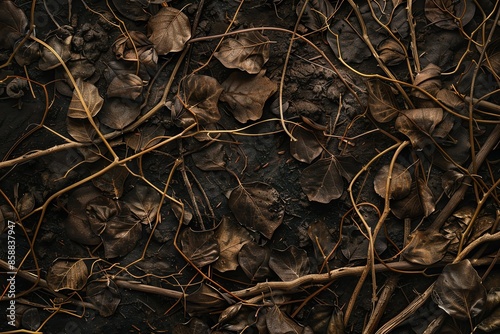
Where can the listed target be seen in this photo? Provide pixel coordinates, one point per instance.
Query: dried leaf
(316, 14)
(419, 124)
(127, 86)
(309, 145)
(67, 274)
(449, 14)
(92, 99)
(144, 137)
(355, 245)
(429, 80)
(420, 202)
(169, 30)
(81, 130)
(16, 87)
(491, 323)
(211, 158)
(112, 181)
(246, 94)
(322, 181)
(200, 247)
(205, 299)
(400, 182)
(117, 113)
(426, 247)
(231, 237)
(248, 51)
(114, 223)
(258, 207)
(289, 264)
(278, 322)
(133, 9)
(61, 45)
(77, 226)
(451, 181)
(143, 201)
(459, 291)
(13, 24)
(381, 101)
(197, 102)
(321, 239)
(254, 260)
(105, 296)
(391, 52)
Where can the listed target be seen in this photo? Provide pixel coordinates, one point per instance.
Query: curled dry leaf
(400, 182)
(491, 323)
(381, 101)
(77, 225)
(105, 296)
(133, 9)
(143, 202)
(258, 207)
(67, 274)
(289, 264)
(426, 247)
(113, 222)
(316, 14)
(254, 260)
(449, 14)
(127, 86)
(169, 30)
(246, 94)
(81, 130)
(459, 291)
(419, 124)
(60, 41)
(391, 52)
(231, 237)
(419, 202)
(248, 51)
(112, 182)
(15, 88)
(117, 113)
(13, 24)
(429, 80)
(197, 102)
(322, 181)
(200, 247)
(90, 96)
(309, 144)
(205, 298)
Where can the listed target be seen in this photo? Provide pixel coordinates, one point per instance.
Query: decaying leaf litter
(192, 168)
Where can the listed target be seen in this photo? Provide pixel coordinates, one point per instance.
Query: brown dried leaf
(197, 101)
(491, 323)
(114, 223)
(67, 274)
(426, 247)
(254, 260)
(449, 14)
(248, 51)
(200, 247)
(459, 291)
(492, 59)
(278, 322)
(77, 226)
(144, 137)
(316, 13)
(169, 30)
(322, 181)
(206, 298)
(81, 130)
(419, 124)
(289, 264)
(419, 202)
(105, 296)
(210, 158)
(231, 237)
(381, 101)
(391, 52)
(400, 182)
(13, 24)
(246, 94)
(451, 181)
(117, 113)
(92, 99)
(309, 144)
(143, 202)
(127, 86)
(61, 45)
(112, 181)
(258, 207)
(321, 239)
(429, 80)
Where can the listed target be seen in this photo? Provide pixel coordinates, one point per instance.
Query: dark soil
(336, 101)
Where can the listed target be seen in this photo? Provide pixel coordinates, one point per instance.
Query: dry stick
(422, 298)
(372, 236)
